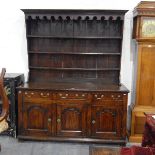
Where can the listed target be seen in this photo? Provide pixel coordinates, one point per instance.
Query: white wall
(13, 50)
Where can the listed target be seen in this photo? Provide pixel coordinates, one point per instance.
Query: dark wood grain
(71, 119)
(72, 114)
(73, 92)
(74, 85)
(88, 34)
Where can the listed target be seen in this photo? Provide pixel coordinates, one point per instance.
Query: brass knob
(44, 95)
(49, 119)
(58, 120)
(93, 121)
(102, 96)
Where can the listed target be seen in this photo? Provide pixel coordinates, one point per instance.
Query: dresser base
(78, 140)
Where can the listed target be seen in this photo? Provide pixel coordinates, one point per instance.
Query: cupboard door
(106, 122)
(72, 119)
(38, 119)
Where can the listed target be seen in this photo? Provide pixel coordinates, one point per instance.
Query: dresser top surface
(74, 86)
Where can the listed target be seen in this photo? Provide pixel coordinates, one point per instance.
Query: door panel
(38, 119)
(106, 122)
(72, 119)
(108, 116)
(35, 118)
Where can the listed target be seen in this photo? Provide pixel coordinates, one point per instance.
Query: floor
(11, 146)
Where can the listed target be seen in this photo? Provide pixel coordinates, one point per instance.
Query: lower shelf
(79, 140)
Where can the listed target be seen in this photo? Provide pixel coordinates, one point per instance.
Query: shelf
(76, 53)
(74, 37)
(63, 48)
(77, 69)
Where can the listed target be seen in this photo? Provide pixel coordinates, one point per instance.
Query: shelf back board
(74, 44)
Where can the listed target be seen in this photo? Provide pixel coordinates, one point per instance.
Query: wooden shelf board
(74, 37)
(72, 69)
(76, 53)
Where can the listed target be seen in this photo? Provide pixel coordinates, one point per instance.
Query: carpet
(104, 150)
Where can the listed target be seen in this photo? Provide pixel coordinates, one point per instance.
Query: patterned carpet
(104, 150)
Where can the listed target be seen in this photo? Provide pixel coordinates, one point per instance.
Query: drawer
(110, 103)
(72, 95)
(107, 96)
(37, 95)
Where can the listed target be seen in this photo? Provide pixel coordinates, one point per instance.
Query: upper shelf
(75, 69)
(75, 37)
(74, 14)
(74, 53)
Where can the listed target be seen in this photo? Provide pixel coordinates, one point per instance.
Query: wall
(13, 49)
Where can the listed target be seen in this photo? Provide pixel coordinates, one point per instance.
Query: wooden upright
(5, 106)
(144, 35)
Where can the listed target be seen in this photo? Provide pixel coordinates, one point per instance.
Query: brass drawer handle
(93, 121)
(58, 120)
(98, 98)
(49, 120)
(64, 97)
(46, 95)
(27, 95)
(116, 97)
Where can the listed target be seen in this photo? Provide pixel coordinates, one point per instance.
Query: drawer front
(37, 95)
(112, 104)
(107, 96)
(72, 96)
